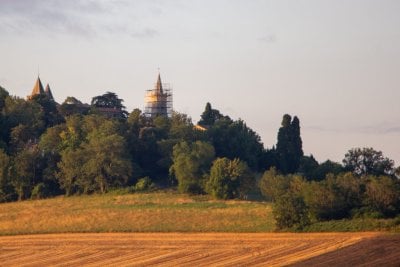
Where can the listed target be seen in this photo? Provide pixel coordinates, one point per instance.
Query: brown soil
(377, 251)
(200, 249)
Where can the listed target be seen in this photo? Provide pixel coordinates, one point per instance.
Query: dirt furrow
(199, 249)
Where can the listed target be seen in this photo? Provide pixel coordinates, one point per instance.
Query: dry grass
(152, 212)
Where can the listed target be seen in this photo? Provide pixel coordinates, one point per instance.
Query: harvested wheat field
(199, 249)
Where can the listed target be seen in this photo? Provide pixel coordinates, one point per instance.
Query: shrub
(325, 200)
(382, 194)
(144, 184)
(290, 211)
(272, 184)
(352, 188)
(366, 212)
(40, 191)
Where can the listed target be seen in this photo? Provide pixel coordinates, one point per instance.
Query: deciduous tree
(25, 168)
(364, 161)
(110, 100)
(191, 164)
(6, 190)
(108, 163)
(382, 194)
(229, 179)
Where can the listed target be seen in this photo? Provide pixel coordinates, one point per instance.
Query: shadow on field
(377, 251)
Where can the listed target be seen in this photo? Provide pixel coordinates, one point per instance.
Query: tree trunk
(20, 193)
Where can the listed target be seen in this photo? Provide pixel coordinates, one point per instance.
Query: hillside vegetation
(48, 150)
(161, 211)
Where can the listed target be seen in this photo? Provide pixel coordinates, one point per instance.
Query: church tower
(48, 92)
(158, 100)
(37, 89)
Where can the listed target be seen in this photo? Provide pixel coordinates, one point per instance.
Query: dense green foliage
(96, 165)
(290, 211)
(298, 202)
(191, 165)
(109, 100)
(229, 179)
(210, 116)
(75, 148)
(232, 139)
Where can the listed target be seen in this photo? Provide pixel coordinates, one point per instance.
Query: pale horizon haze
(333, 63)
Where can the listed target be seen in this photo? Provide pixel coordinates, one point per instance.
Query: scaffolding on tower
(158, 101)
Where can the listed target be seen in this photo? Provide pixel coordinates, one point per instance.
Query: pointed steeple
(48, 92)
(159, 84)
(38, 88)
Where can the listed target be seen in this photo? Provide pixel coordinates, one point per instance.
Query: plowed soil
(199, 249)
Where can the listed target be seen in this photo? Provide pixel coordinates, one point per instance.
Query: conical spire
(48, 92)
(159, 84)
(38, 88)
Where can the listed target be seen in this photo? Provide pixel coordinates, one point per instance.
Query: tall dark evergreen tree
(289, 147)
(3, 95)
(3, 126)
(232, 139)
(308, 166)
(209, 116)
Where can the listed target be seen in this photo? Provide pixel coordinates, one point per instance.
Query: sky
(333, 63)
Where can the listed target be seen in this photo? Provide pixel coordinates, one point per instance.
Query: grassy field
(164, 211)
(355, 225)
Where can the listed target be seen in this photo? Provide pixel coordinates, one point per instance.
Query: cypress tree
(289, 147)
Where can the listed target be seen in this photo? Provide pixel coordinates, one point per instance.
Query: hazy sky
(333, 63)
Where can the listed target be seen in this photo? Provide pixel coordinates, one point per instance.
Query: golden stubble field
(201, 249)
(147, 212)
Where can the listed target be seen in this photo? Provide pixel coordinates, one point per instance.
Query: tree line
(48, 149)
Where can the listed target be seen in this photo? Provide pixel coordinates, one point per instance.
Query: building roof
(48, 92)
(38, 88)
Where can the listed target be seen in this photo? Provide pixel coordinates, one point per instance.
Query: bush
(366, 212)
(144, 184)
(382, 194)
(325, 201)
(290, 211)
(272, 184)
(41, 190)
(298, 202)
